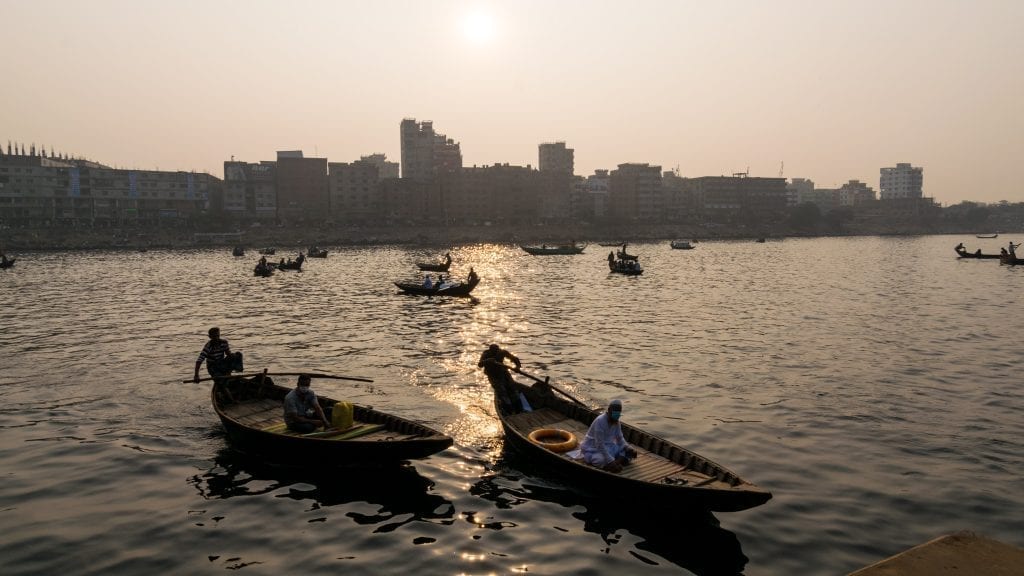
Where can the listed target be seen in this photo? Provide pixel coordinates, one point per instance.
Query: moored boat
(545, 250)
(663, 471)
(460, 289)
(252, 412)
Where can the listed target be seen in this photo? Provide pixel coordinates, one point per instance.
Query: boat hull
(460, 290)
(553, 250)
(248, 409)
(663, 473)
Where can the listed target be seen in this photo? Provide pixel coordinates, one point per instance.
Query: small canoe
(264, 271)
(986, 235)
(432, 267)
(462, 289)
(978, 254)
(681, 245)
(545, 250)
(252, 412)
(663, 472)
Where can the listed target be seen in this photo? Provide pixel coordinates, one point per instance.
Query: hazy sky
(832, 89)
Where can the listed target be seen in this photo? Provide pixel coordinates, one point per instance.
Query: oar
(265, 373)
(547, 383)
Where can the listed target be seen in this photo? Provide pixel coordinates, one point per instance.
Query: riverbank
(13, 240)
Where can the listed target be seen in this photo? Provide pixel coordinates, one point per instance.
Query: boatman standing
(220, 362)
(492, 360)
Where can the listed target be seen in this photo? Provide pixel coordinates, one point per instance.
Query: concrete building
(46, 190)
(301, 186)
(498, 193)
(635, 193)
(798, 191)
(555, 157)
(385, 169)
(427, 155)
(901, 181)
(597, 185)
(250, 190)
(855, 193)
(725, 198)
(353, 191)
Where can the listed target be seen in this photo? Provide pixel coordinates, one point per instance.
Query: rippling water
(872, 384)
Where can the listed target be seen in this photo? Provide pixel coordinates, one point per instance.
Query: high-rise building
(555, 157)
(901, 181)
(301, 186)
(385, 169)
(427, 155)
(353, 191)
(855, 193)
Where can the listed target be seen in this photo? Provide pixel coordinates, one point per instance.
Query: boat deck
(647, 467)
(268, 415)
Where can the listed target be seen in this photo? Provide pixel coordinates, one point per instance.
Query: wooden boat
(627, 267)
(454, 290)
(7, 263)
(986, 235)
(545, 250)
(759, 240)
(290, 265)
(962, 252)
(252, 412)
(430, 267)
(681, 245)
(315, 252)
(268, 251)
(1010, 260)
(263, 270)
(623, 255)
(238, 251)
(663, 472)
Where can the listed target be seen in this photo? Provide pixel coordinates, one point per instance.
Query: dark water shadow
(398, 489)
(691, 538)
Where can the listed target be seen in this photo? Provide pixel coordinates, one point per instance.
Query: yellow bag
(342, 415)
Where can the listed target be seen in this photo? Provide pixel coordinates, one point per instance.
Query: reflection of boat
(663, 472)
(398, 489)
(442, 267)
(690, 538)
(545, 250)
(461, 289)
(986, 235)
(252, 412)
(681, 245)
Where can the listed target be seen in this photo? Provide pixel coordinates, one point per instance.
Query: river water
(872, 384)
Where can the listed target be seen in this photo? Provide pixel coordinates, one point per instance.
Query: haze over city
(825, 91)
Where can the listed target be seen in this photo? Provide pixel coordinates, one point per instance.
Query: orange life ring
(554, 439)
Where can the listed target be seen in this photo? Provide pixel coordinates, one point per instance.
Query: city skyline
(828, 93)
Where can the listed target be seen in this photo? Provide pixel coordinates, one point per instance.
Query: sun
(478, 27)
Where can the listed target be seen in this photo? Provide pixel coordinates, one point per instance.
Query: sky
(830, 91)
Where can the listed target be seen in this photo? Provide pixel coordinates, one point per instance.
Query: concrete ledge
(959, 554)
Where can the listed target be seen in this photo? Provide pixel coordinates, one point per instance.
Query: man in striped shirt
(219, 359)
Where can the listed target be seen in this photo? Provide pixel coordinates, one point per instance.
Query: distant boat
(607, 244)
(681, 245)
(238, 251)
(986, 235)
(545, 250)
(268, 251)
(7, 262)
(316, 252)
(759, 240)
(963, 253)
(431, 267)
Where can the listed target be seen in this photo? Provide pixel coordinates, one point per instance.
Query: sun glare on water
(478, 27)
